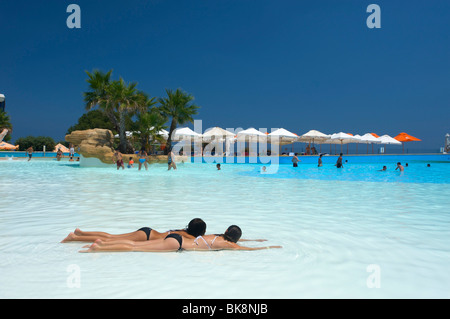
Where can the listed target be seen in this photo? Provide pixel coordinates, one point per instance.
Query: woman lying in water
(176, 242)
(196, 227)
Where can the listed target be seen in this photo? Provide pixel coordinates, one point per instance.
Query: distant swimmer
(384, 169)
(320, 161)
(218, 167)
(400, 167)
(295, 160)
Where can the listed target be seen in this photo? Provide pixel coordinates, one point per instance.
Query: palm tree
(99, 94)
(117, 99)
(149, 124)
(178, 106)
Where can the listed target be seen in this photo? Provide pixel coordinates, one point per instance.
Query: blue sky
(295, 64)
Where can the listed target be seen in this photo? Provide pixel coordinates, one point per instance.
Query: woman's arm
(257, 248)
(234, 246)
(259, 240)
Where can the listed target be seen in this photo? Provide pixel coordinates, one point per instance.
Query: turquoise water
(415, 172)
(335, 226)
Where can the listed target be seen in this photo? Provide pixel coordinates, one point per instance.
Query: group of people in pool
(295, 161)
(399, 167)
(147, 239)
(142, 156)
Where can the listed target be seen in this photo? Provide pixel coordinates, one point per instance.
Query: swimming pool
(350, 233)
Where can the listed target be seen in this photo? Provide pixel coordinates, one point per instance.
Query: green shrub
(37, 142)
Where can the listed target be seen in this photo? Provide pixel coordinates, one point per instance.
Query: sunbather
(176, 242)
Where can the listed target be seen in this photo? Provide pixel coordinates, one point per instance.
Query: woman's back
(208, 242)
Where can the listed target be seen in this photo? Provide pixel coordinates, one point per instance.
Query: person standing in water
(30, 152)
(295, 160)
(71, 150)
(118, 160)
(339, 162)
(320, 161)
(143, 158)
(171, 160)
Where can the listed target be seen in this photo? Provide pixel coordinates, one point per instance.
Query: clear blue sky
(295, 64)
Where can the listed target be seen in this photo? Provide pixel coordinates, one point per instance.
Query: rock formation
(96, 143)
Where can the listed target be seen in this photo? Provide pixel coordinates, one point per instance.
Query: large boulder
(96, 143)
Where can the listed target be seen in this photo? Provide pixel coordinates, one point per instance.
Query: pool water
(349, 233)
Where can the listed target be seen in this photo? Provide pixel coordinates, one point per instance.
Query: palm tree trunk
(173, 126)
(122, 135)
(113, 119)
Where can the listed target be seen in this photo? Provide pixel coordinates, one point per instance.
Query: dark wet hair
(196, 227)
(233, 234)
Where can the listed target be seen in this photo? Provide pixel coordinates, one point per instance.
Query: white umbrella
(251, 136)
(368, 138)
(284, 136)
(342, 138)
(314, 136)
(358, 141)
(386, 139)
(251, 133)
(217, 133)
(185, 132)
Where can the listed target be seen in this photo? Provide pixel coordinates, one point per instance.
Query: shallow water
(332, 225)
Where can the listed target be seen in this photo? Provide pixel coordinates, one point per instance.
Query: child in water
(130, 163)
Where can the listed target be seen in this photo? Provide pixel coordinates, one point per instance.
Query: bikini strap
(212, 242)
(204, 240)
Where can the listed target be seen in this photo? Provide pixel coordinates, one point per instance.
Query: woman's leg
(79, 235)
(161, 245)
